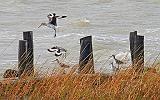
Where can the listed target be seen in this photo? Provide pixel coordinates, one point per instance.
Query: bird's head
(112, 56)
(55, 60)
(50, 16)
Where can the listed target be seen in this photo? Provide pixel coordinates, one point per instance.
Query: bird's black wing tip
(49, 50)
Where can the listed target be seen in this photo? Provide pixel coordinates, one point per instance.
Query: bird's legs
(45, 24)
(55, 33)
(64, 55)
(118, 67)
(42, 24)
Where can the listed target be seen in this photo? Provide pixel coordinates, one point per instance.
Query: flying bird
(58, 51)
(52, 21)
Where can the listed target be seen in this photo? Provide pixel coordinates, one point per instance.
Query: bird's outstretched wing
(55, 48)
(62, 49)
(62, 17)
(50, 50)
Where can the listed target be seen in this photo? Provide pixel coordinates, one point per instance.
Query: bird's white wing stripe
(52, 50)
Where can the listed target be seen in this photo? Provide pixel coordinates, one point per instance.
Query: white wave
(105, 1)
(82, 22)
(80, 34)
(152, 30)
(66, 35)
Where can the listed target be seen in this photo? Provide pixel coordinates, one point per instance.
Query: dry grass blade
(124, 85)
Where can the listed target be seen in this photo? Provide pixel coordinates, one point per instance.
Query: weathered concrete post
(140, 51)
(137, 50)
(86, 63)
(22, 52)
(132, 38)
(28, 36)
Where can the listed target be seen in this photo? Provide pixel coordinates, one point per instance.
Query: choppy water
(110, 22)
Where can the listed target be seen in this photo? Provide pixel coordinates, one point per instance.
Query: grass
(124, 85)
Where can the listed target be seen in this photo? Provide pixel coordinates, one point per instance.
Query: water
(108, 21)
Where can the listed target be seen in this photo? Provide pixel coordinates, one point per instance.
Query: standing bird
(118, 62)
(62, 64)
(58, 51)
(52, 21)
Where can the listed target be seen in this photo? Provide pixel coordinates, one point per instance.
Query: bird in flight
(52, 21)
(58, 51)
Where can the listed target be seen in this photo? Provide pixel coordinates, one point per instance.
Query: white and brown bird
(118, 62)
(52, 21)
